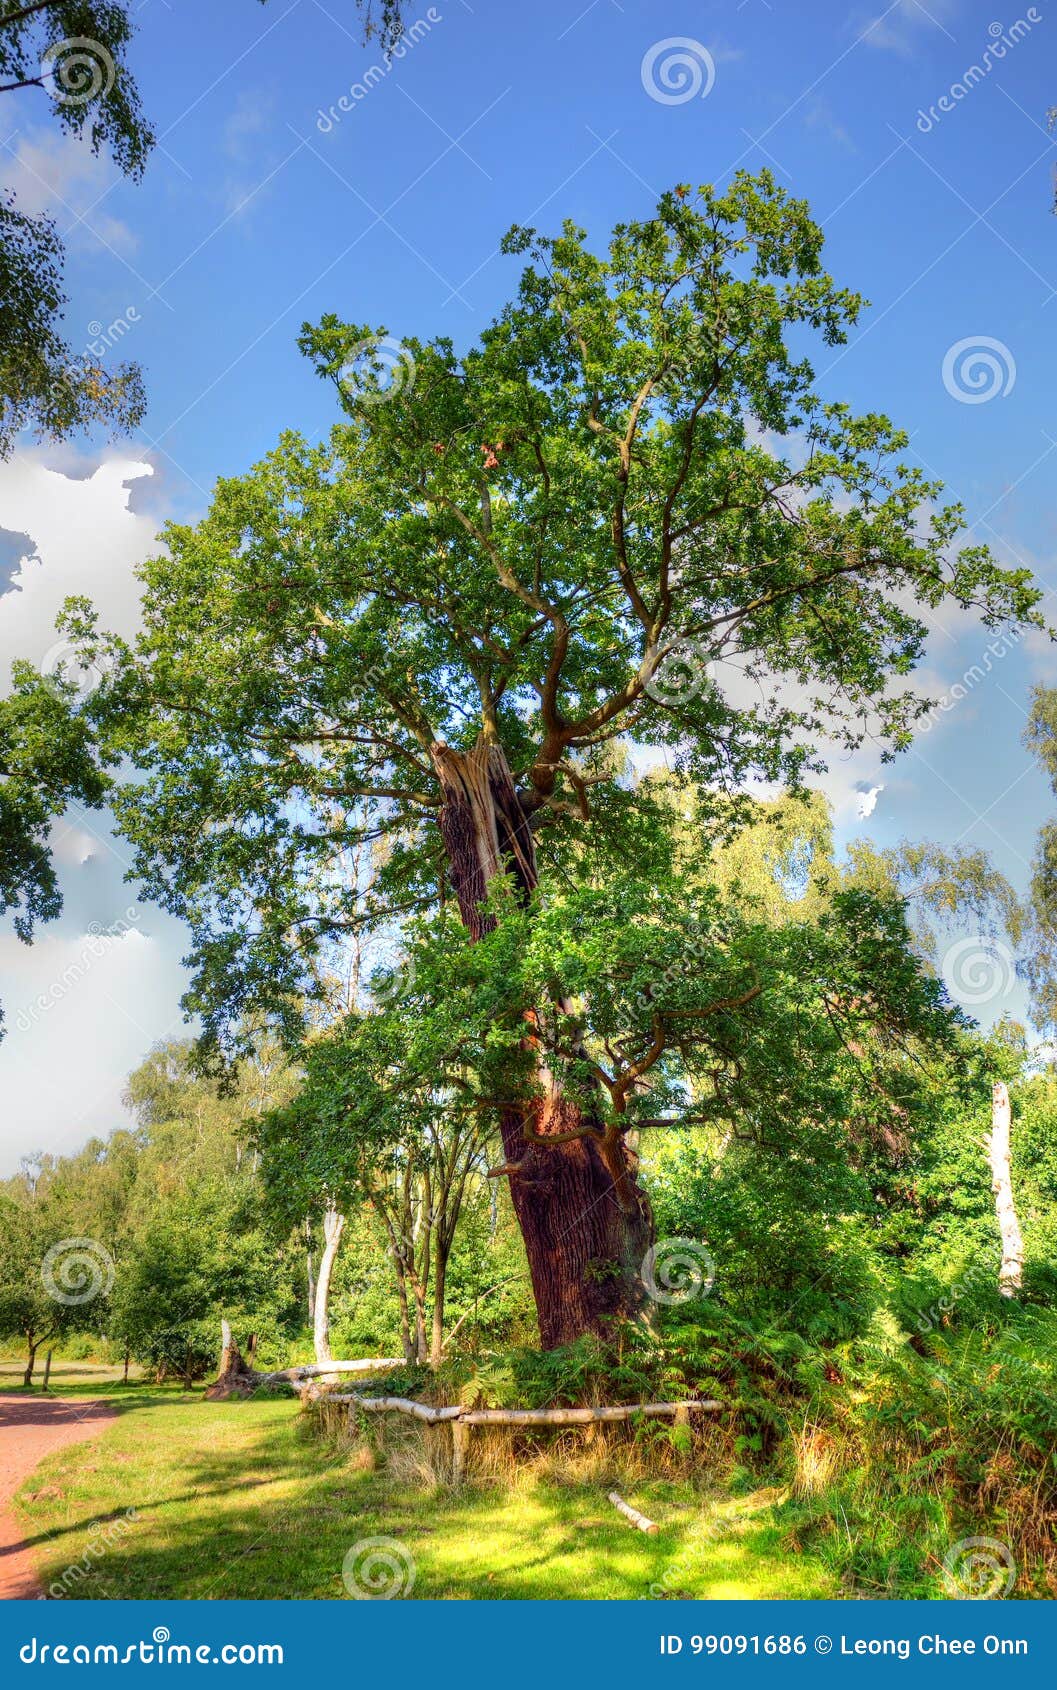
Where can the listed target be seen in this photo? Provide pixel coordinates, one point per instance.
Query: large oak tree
(622, 522)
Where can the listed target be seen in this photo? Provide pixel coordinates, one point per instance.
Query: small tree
(372, 1125)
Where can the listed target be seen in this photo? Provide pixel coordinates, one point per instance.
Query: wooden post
(999, 1157)
(460, 1438)
(47, 1369)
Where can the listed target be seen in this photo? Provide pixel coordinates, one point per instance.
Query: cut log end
(632, 1514)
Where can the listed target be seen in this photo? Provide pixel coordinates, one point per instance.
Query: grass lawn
(243, 1500)
(67, 1378)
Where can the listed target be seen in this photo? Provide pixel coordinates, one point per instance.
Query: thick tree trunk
(999, 1157)
(333, 1227)
(27, 1377)
(585, 1221)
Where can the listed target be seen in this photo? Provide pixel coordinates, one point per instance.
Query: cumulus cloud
(85, 1002)
(57, 175)
(82, 538)
(868, 796)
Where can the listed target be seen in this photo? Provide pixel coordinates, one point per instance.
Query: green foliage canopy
(631, 464)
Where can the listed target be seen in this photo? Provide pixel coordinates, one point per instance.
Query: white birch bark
(998, 1155)
(333, 1227)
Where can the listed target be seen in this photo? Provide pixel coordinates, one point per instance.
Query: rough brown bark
(585, 1221)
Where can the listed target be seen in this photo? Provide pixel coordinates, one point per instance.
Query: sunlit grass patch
(242, 1500)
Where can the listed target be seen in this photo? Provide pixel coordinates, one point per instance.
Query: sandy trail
(30, 1428)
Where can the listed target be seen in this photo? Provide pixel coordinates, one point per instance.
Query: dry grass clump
(420, 1455)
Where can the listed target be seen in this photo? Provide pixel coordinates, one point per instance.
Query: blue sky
(256, 213)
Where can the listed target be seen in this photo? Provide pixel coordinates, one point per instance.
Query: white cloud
(81, 1010)
(868, 796)
(86, 540)
(85, 1002)
(59, 176)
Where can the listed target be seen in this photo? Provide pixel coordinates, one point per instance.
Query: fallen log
(579, 1416)
(238, 1378)
(520, 1416)
(404, 1405)
(315, 1370)
(632, 1514)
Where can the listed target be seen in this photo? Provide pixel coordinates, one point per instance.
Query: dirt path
(30, 1428)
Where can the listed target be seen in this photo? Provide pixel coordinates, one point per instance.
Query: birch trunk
(333, 1227)
(999, 1157)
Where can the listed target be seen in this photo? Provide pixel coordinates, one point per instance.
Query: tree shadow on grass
(246, 1502)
